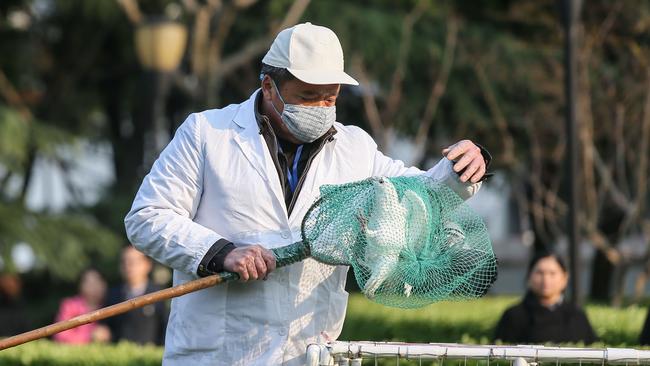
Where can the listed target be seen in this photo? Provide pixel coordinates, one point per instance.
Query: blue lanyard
(293, 175)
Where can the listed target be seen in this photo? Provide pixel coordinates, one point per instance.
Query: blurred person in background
(13, 317)
(644, 339)
(142, 325)
(544, 315)
(92, 291)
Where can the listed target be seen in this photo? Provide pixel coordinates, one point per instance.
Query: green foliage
(104, 12)
(466, 321)
(19, 135)
(14, 139)
(469, 322)
(46, 353)
(73, 66)
(64, 244)
(617, 326)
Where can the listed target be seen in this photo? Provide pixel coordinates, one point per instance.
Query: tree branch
(369, 103)
(3, 183)
(241, 4)
(586, 137)
(395, 90)
(538, 210)
(642, 170)
(439, 86)
(201, 38)
(508, 155)
(13, 98)
(132, 10)
(620, 146)
(608, 183)
(225, 23)
(254, 48)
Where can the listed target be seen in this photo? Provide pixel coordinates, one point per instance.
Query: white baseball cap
(311, 53)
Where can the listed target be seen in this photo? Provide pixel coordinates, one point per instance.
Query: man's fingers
(260, 266)
(479, 174)
(471, 169)
(242, 271)
(252, 271)
(463, 163)
(456, 150)
(251, 263)
(269, 259)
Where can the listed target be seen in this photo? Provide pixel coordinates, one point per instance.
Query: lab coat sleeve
(160, 221)
(382, 165)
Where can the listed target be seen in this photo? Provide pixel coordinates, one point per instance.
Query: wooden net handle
(120, 308)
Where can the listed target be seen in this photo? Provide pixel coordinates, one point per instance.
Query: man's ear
(267, 85)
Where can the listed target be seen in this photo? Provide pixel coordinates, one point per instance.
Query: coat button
(285, 235)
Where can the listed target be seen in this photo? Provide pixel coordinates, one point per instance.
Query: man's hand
(250, 262)
(467, 159)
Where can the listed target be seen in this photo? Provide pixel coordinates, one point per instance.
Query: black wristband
(212, 262)
(487, 157)
(216, 264)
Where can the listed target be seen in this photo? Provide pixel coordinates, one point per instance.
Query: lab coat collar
(254, 148)
(245, 117)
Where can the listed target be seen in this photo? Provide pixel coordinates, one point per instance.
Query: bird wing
(417, 220)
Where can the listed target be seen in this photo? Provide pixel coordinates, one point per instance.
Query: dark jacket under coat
(529, 322)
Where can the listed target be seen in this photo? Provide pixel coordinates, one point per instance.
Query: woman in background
(544, 315)
(92, 289)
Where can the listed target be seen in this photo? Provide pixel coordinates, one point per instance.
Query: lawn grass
(471, 321)
(445, 322)
(47, 353)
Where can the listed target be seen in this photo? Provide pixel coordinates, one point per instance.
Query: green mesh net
(410, 241)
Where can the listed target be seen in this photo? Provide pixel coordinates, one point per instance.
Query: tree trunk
(127, 139)
(601, 277)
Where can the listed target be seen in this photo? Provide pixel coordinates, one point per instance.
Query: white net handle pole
(611, 356)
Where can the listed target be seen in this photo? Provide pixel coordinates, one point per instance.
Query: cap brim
(323, 77)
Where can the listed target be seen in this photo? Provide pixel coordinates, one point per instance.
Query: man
(237, 181)
(143, 325)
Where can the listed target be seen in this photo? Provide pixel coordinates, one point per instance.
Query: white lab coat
(216, 179)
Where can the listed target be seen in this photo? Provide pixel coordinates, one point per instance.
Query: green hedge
(463, 322)
(472, 321)
(46, 353)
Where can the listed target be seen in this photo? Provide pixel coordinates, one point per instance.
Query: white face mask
(306, 123)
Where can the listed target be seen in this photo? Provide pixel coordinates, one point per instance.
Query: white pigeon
(454, 234)
(385, 235)
(419, 227)
(418, 220)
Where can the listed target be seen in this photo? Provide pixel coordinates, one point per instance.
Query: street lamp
(160, 46)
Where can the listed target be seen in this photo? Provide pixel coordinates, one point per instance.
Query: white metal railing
(352, 353)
